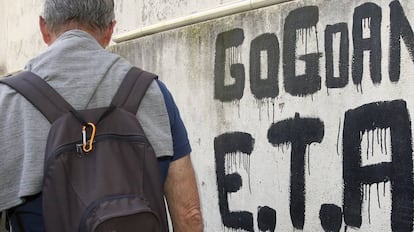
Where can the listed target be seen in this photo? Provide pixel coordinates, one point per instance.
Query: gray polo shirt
(87, 76)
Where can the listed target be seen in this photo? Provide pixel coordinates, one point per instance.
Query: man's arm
(182, 196)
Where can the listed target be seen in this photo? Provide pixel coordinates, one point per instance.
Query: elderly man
(87, 76)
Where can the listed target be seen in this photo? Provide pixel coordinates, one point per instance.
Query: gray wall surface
(298, 116)
(20, 38)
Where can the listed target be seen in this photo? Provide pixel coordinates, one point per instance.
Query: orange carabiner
(87, 147)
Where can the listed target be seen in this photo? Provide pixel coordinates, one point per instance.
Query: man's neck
(98, 35)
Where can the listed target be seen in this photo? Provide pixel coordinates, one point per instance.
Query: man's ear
(47, 36)
(108, 33)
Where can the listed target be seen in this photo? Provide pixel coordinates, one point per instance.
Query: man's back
(87, 76)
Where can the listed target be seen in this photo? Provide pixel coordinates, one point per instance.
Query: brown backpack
(100, 173)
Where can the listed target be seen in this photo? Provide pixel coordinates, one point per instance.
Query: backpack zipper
(77, 146)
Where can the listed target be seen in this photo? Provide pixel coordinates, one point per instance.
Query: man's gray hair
(97, 14)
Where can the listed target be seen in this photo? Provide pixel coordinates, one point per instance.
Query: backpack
(100, 173)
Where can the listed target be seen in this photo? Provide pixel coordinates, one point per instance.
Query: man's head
(93, 16)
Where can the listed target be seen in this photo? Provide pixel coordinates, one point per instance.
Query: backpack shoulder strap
(132, 89)
(39, 93)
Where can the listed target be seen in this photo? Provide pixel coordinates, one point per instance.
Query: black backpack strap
(40, 94)
(132, 89)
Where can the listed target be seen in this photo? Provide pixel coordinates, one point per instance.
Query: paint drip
(237, 161)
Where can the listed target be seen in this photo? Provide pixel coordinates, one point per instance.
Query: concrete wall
(3, 38)
(133, 14)
(299, 114)
(19, 23)
(20, 27)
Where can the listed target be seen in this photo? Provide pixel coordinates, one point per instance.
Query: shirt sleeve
(181, 144)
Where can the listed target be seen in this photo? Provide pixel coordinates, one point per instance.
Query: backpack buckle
(87, 146)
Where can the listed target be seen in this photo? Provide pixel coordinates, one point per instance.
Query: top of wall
(21, 39)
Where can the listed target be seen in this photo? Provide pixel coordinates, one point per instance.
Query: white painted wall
(185, 59)
(3, 38)
(21, 38)
(133, 14)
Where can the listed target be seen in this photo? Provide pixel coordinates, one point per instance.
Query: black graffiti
(368, 15)
(299, 132)
(399, 171)
(331, 217)
(366, 18)
(342, 80)
(223, 145)
(264, 88)
(310, 82)
(234, 91)
(266, 219)
(399, 28)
